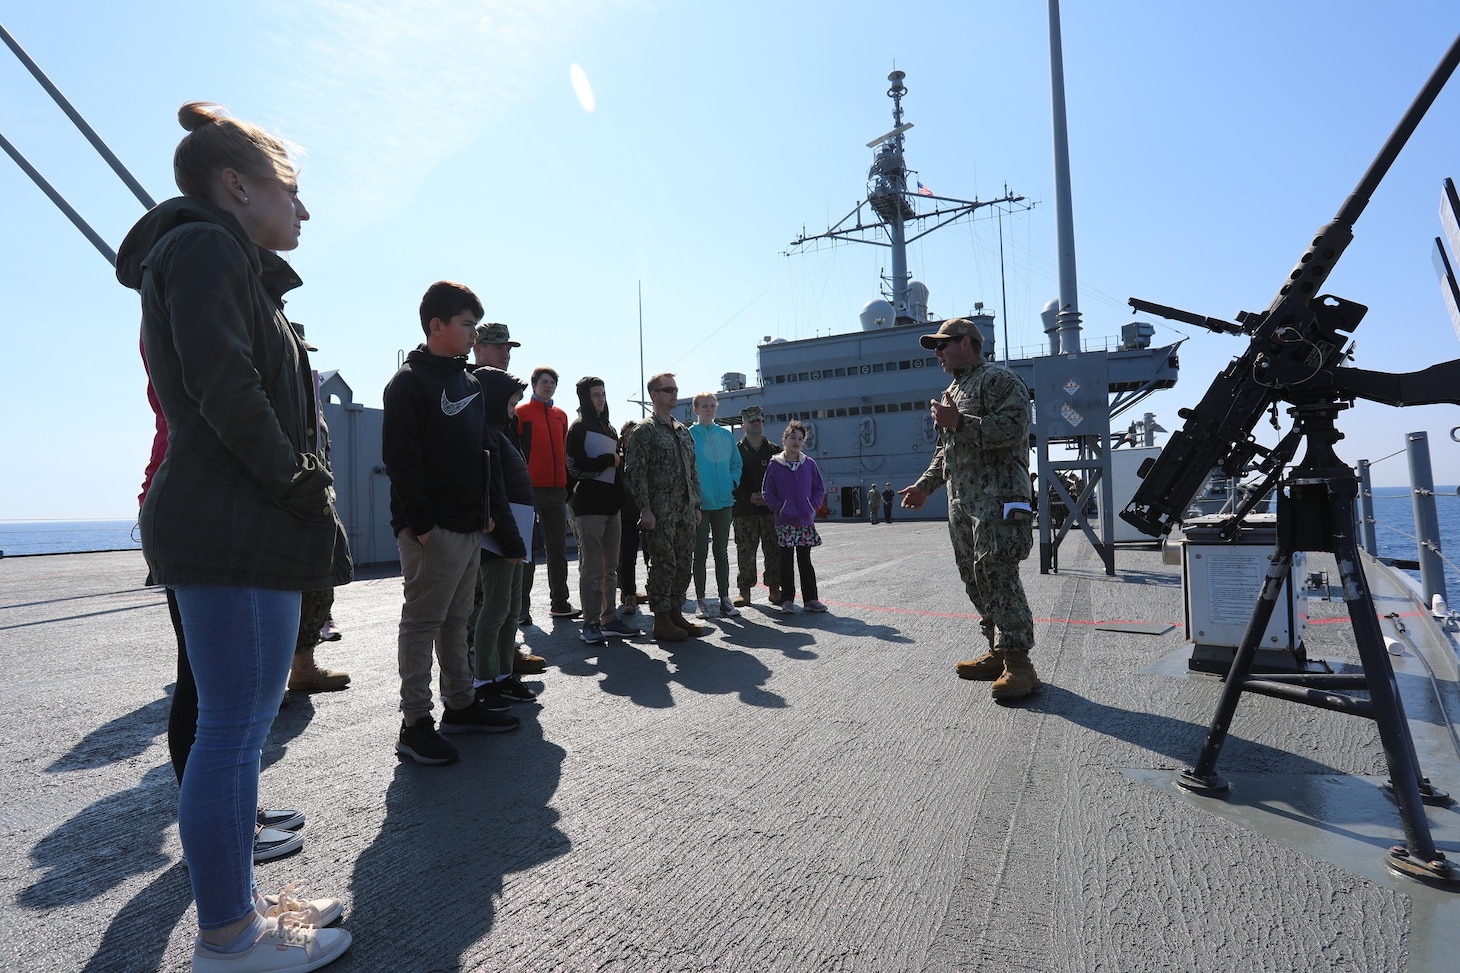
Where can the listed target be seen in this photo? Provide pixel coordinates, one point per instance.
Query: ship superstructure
(864, 394)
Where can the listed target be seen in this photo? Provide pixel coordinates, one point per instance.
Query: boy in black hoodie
(431, 442)
(504, 548)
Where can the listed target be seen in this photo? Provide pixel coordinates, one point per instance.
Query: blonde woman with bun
(239, 517)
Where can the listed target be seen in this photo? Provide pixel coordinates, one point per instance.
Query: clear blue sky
(444, 139)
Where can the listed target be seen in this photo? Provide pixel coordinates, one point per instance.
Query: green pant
(495, 639)
(716, 522)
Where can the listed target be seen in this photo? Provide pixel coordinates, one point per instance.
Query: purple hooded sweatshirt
(793, 495)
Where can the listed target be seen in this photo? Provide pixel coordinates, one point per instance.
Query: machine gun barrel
(1296, 327)
(1185, 317)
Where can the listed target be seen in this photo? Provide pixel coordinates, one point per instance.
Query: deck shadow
(485, 817)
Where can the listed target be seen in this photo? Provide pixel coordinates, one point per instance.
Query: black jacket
(242, 497)
(511, 482)
(753, 465)
(431, 442)
(592, 497)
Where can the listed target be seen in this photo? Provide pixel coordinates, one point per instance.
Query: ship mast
(887, 192)
(894, 219)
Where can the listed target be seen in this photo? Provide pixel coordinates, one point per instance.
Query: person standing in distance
(872, 501)
(718, 463)
(660, 476)
(543, 429)
(983, 458)
(754, 522)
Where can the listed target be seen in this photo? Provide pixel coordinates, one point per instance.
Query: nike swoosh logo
(452, 408)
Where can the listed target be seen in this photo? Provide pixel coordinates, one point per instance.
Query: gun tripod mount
(1315, 512)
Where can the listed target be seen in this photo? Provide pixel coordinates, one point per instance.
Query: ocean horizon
(1393, 515)
(29, 537)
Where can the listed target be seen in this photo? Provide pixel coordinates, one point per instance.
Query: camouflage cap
(953, 328)
(494, 333)
(752, 413)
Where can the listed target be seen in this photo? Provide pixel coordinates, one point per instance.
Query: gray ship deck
(813, 794)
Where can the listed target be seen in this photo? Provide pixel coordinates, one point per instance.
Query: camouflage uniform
(985, 463)
(659, 473)
(755, 525)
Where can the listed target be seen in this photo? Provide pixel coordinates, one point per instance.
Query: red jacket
(543, 430)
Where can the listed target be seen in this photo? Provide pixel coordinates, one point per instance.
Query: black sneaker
(476, 718)
(513, 689)
(489, 698)
(524, 619)
(424, 745)
(565, 611)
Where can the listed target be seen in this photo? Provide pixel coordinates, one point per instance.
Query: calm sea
(1394, 529)
(66, 536)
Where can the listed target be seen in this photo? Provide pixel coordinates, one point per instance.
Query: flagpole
(643, 410)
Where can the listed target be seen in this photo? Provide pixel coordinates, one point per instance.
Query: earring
(245, 199)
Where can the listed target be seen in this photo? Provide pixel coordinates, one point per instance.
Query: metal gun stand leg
(1315, 512)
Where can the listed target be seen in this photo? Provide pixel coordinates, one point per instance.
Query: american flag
(924, 190)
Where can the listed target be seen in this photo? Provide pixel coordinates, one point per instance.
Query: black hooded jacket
(512, 482)
(243, 495)
(431, 443)
(592, 497)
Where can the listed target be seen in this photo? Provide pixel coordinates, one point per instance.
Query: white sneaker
(704, 609)
(307, 912)
(285, 947)
(728, 609)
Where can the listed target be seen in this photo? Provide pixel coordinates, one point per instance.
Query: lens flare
(581, 87)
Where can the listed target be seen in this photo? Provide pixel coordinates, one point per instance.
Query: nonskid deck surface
(816, 792)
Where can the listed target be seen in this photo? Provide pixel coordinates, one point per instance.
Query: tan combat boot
(690, 628)
(306, 676)
(986, 667)
(1018, 679)
(742, 599)
(524, 663)
(665, 629)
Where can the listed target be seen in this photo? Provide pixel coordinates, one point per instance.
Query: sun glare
(581, 87)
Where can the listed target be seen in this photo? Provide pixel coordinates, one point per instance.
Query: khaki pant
(598, 540)
(439, 577)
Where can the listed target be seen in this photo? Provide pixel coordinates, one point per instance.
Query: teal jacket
(717, 459)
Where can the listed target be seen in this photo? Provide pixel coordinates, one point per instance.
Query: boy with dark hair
(543, 429)
(432, 448)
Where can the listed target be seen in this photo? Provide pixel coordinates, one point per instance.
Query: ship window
(841, 373)
(904, 365)
(879, 408)
(779, 379)
(841, 412)
(802, 376)
(909, 407)
(877, 367)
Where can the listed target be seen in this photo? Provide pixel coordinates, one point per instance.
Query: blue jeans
(240, 643)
